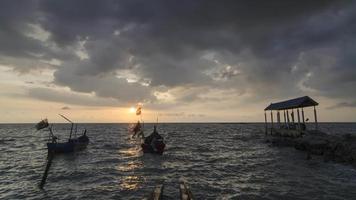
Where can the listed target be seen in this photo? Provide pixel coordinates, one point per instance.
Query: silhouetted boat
(153, 143)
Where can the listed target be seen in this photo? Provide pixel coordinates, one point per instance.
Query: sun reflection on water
(130, 166)
(130, 152)
(129, 180)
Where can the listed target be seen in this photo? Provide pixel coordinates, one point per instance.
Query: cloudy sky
(184, 60)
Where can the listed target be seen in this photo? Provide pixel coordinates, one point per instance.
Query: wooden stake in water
(45, 174)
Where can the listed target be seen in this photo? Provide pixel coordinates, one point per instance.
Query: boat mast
(72, 124)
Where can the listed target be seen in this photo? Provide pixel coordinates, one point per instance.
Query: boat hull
(159, 148)
(70, 146)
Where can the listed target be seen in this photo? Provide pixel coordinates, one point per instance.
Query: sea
(217, 160)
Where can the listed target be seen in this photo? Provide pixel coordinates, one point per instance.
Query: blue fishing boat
(71, 145)
(74, 143)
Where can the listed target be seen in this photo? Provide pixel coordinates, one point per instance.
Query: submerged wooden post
(266, 126)
(45, 174)
(316, 119)
(271, 122)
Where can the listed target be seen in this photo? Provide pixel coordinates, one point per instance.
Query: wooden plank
(185, 193)
(156, 194)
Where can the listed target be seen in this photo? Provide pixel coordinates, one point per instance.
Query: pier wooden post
(303, 116)
(285, 120)
(316, 119)
(271, 122)
(266, 126)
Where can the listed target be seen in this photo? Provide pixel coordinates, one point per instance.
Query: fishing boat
(136, 130)
(74, 143)
(153, 143)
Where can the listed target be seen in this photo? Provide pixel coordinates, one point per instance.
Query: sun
(132, 110)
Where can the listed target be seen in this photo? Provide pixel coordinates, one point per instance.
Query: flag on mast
(138, 109)
(42, 124)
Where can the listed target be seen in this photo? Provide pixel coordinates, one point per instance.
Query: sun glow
(132, 110)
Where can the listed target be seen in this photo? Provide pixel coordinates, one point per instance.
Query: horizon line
(212, 122)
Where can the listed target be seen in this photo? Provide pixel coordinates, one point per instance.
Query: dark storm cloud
(47, 94)
(17, 49)
(15, 17)
(267, 48)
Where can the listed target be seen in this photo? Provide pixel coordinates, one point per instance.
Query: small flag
(138, 109)
(42, 124)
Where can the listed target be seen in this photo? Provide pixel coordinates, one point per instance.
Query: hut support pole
(299, 127)
(303, 116)
(266, 127)
(271, 122)
(288, 120)
(279, 119)
(316, 119)
(285, 120)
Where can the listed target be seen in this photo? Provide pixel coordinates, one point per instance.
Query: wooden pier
(294, 124)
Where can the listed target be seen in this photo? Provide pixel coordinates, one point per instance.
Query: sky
(185, 61)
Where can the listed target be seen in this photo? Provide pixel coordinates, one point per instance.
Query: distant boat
(73, 144)
(151, 144)
(136, 130)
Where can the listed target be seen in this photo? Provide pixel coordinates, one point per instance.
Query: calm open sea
(220, 161)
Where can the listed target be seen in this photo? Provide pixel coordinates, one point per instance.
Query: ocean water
(219, 161)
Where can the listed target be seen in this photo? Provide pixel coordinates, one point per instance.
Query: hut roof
(293, 103)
